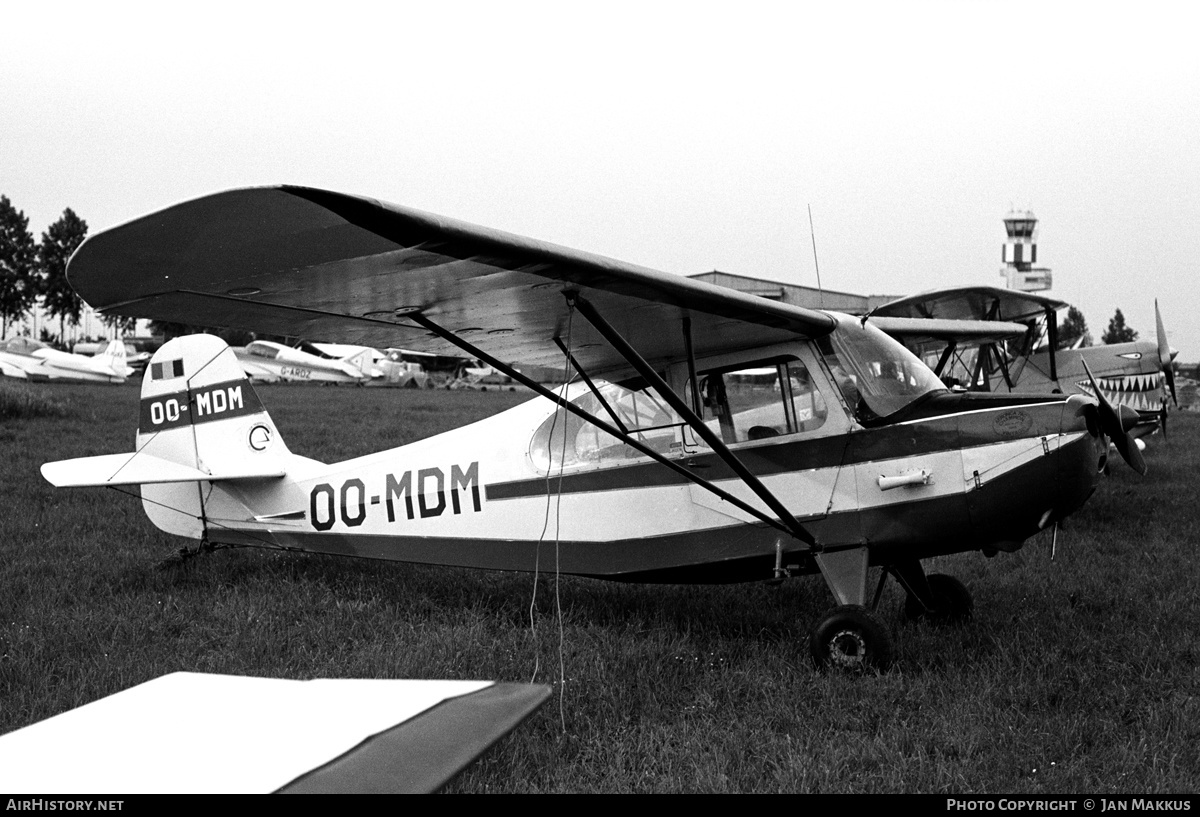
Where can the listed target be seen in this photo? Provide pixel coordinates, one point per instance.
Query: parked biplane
(1022, 355)
(29, 359)
(661, 463)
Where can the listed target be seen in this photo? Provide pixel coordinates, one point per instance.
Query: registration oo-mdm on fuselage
(708, 435)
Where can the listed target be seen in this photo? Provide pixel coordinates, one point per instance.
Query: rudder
(115, 357)
(199, 410)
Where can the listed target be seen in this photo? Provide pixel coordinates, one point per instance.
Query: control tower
(1020, 254)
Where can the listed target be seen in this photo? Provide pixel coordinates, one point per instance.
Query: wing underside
(981, 303)
(304, 262)
(964, 332)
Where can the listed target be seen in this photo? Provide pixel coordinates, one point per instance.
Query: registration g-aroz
(706, 435)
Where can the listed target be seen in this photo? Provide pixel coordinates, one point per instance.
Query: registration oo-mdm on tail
(707, 436)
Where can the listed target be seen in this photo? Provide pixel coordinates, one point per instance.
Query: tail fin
(114, 357)
(200, 421)
(363, 362)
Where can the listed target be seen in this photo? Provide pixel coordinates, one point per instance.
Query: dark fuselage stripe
(950, 432)
(999, 513)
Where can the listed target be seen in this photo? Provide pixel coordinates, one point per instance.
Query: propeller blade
(1162, 420)
(1116, 424)
(1164, 353)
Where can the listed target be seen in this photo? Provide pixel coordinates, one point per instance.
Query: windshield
(22, 345)
(876, 374)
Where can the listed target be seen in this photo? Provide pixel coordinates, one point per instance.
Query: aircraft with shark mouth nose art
(1022, 355)
(709, 435)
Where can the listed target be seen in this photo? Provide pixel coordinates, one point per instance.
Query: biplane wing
(971, 303)
(1137, 375)
(313, 263)
(921, 331)
(193, 732)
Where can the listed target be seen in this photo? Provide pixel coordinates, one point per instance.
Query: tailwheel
(851, 637)
(949, 602)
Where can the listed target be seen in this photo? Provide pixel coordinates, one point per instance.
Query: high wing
(981, 303)
(305, 262)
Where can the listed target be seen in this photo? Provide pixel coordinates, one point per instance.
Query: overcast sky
(682, 136)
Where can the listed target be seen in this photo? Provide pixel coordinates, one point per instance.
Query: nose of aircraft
(1116, 425)
(1165, 353)
(1080, 414)
(1081, 460)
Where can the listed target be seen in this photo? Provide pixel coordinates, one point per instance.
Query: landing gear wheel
(951, 602)
(850, 637)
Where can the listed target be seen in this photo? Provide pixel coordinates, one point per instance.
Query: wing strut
(586, 379)
(681, 407)
(945, 358)
(1052, 328)
(792, 530)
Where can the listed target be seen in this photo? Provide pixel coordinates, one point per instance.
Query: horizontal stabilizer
(141, 469)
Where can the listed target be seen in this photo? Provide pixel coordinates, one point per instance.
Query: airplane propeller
(1116, 423)
(1165, 356)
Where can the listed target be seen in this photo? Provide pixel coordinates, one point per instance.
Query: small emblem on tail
(166, 370)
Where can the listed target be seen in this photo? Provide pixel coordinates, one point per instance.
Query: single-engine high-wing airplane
(671, 458)
(393, 369)
(29, 359)
(271, 362)
(944, 328)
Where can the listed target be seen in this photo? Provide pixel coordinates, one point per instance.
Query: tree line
(35, 273)
(1074, 331)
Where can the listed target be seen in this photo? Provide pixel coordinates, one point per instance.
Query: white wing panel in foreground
(199, 733)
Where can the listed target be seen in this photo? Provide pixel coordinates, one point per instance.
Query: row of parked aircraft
(28, 359)
(980, 338)
(263, 361)
(667, 459)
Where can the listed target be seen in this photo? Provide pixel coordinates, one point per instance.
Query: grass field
(1079, 673)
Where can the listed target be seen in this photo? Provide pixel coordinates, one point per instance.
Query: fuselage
(535, 488)
(26, 358)
(1128, 374)
(268, 361)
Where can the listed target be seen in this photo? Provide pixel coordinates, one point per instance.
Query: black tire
(850, 637)
(952, 602)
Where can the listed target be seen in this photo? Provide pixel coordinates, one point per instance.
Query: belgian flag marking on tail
(219, 401)
(166, 370)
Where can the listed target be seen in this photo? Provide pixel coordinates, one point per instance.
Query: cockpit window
(565, 440)
(876, 374)
(760, 401)
(22, 345)
(262, 350)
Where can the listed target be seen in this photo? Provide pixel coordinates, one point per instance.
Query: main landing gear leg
(937, 598)
(850, 636)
